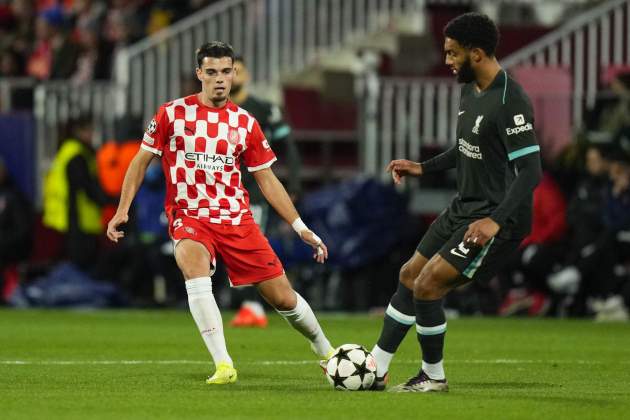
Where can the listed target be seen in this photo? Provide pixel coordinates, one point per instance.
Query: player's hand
(112, 227)
(403, 167)
(481, 231)
(321, 252)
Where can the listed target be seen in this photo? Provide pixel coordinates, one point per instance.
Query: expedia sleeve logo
(521, 126)
(519, 119)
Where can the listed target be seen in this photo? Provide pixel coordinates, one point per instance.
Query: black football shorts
(473, 262)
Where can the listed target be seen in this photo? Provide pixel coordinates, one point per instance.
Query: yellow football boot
(225, 374)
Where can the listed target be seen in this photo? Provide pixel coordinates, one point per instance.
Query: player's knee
(285, 301)
(406, 277)
(426, 285)
(192, 261)
(193, 271)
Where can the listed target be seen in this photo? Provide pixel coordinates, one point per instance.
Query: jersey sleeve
(258, 154)
(156, 134)
(516, 128)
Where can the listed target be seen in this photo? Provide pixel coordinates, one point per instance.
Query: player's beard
(465, 74)
(236, 88)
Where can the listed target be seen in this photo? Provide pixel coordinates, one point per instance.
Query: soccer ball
(351, 368)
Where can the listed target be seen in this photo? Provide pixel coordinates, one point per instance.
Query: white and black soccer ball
(351, 368)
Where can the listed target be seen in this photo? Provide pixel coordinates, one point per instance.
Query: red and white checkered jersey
(201, 149)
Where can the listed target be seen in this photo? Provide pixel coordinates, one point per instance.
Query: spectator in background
(23, 34)
(617, 115)
(162, 14)
(15, 231)
(277, 132)
(55, 55)
(114, 157)
(73, 197)
(121, 22)
(122, 27)
(140, 266)
(540, 250)
(94, 60)
(88, 13)
(11, 64)
(609, 303)
(593, 271)
(7, 26)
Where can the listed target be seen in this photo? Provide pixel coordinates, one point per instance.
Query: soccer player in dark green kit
(498, 166)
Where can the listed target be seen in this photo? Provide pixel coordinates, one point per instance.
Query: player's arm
(277, 197)
(400, 168)
(131, 184)
(529, 174)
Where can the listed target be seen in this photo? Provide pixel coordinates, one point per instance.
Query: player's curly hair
(474, 30)
(214, 49)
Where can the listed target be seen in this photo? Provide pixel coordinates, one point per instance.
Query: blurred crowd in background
(78, 39)
(575, 262)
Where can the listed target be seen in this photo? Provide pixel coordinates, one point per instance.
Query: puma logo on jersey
(477, 122)
(461, 250)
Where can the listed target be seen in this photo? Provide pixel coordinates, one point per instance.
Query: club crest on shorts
(190, 230)
(233, 136)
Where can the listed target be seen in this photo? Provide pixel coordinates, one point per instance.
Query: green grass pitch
(152, 364)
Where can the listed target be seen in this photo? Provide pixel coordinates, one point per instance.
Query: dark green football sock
(430, 328)
(399, 317)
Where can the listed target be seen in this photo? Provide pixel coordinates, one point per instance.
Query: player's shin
(303, 319)
(207, 316)
(399, 317)
(431, 329)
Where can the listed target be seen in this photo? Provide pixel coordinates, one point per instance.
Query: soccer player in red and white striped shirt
(202, 140)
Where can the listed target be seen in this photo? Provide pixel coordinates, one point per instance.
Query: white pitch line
(292, 362)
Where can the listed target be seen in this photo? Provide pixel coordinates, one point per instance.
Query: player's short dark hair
(214, 49)
(240, 59)
(474, 30)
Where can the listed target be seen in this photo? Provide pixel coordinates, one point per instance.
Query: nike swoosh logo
(460, 112)
(454, 252)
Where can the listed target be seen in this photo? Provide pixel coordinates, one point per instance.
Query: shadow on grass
(551, 393)
(507, 385)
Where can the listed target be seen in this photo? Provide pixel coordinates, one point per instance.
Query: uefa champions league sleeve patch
(152, 127)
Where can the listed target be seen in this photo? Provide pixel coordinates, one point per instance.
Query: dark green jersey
(494, 128)
(277, 132)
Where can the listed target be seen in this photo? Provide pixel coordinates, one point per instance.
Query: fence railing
(56, 103)
(586, 44)
(275, 37)
(401, 115)
(10, 87)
